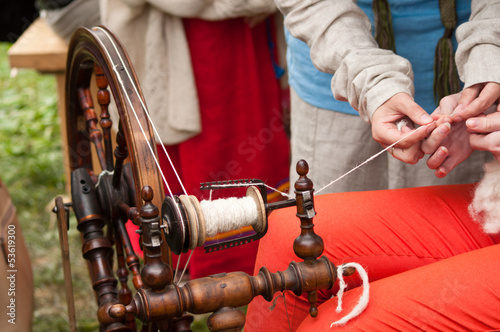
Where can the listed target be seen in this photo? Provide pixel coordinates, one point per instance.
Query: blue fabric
(417, 29)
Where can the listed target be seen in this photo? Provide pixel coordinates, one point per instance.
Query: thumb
(416, 113)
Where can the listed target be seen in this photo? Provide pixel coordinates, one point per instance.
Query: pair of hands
(463, 122)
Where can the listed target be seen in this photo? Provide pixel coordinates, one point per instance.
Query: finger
(431, 143)
(410, 155)
(416, 113)
(487, 97)
(484, 124)
(448, 104)
(406, 137)
(403, 104)
(437, 158)
(489, 142)
(440, 172)
(449, 163)
(469, 94)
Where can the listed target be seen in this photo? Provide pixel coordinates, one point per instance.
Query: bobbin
(186, 224)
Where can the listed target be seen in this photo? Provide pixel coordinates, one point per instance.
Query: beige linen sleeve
(338, 33)
(478, 52)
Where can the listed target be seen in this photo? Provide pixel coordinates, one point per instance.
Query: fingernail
(472, 123)
(441, 172)
(444, 128)
(441, 153)
(426, 118)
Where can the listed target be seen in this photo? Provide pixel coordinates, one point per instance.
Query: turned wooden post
(96, 248)
(155, 274)
(308, 245)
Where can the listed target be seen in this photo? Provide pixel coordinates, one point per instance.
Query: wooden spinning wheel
(112, 185)
(120, 172)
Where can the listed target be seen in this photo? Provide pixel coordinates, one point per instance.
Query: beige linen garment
(154, 37)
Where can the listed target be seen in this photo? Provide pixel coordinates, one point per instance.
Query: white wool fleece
(485, 206)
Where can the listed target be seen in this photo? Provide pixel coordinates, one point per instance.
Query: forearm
(338, 33)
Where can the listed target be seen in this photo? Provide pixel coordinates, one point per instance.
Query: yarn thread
(372, 157)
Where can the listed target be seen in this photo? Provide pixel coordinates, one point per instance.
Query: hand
(448, 144)
(476, 99)
(453, 149)
(385, 131)
(485, 133)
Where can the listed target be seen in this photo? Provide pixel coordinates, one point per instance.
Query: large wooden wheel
(98, 52)
(107, 176)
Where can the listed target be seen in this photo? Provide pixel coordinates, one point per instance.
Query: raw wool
(485, 207)
(363, 300)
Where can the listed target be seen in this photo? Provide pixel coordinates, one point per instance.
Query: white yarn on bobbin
(363, 300)
(223, 215)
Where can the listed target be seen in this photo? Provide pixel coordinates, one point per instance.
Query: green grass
(31, 166)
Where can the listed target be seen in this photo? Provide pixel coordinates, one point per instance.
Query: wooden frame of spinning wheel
(126, 184)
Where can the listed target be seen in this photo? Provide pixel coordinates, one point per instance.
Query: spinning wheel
(114, 185)
(111, 185)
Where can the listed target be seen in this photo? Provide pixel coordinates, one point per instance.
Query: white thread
(184, 270)
(370, 159)
(177, 266)
(101, 174)
(363, 300)
(223, 215)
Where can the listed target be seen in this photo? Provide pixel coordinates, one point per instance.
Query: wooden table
(40, 48)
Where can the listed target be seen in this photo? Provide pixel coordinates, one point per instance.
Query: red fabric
(419, 243)
(243, 135)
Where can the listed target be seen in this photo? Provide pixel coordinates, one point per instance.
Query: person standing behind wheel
(208, 70)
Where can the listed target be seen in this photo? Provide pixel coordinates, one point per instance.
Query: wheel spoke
(124, 295)
(103, 98)
(132, 260)
(121, 153)
(95, 135)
